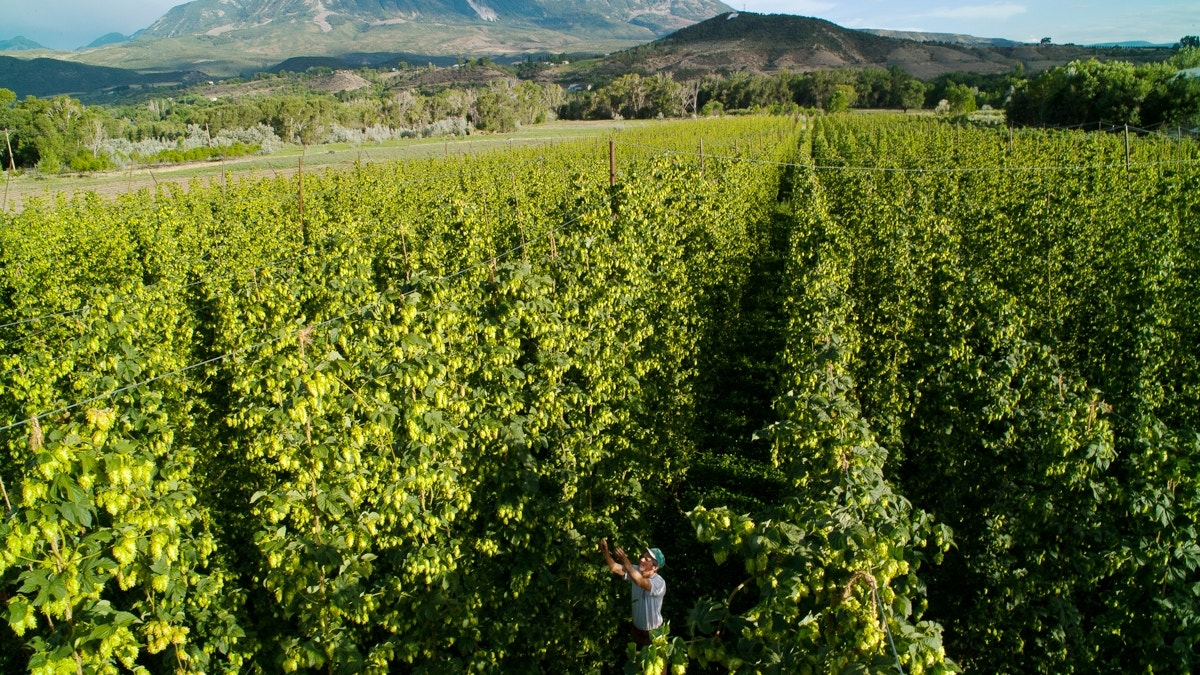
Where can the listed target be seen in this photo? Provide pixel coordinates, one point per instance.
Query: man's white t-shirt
(647, 605)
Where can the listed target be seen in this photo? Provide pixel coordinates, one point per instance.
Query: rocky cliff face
(221, 17)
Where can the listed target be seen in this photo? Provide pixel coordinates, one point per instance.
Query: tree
(1174, 101)
(299, 119)
(874, 88)
(841, 99)
(1088, 92)
(1189, 41)
(528, 97)
(494, 112)
(7, 99)
(553, 96)
(92, 130)
(662, 97)
(911, 94)
(824, 85)
(626, 95)
(960, 99)
(689, 94)
(1185, 58)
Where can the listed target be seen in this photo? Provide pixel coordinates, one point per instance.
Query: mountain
(1135, 44)
(950, 38)
(772, 43)
(19, 44)
(108, 39)
(227, 37)
(223, 16)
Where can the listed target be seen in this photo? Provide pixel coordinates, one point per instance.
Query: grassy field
(19, 190)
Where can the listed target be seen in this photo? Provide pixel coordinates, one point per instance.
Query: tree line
(1084, 92)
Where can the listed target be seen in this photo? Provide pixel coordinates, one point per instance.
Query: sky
(69, 24)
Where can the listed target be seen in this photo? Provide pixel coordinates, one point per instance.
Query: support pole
(12, 162)
(1127, 147)
(12, 168)
(300, 179)
(612, 162)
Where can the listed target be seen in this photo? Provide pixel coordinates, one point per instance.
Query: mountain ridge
(221, 16)
(44, 77)
(231, 37)
(108, 39)
(770, 43)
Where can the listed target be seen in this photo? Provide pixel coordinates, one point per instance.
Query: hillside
(763, 44)
(46, 77)
(108, 39)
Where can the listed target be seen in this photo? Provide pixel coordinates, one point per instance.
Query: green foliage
(48, 162)
(632, 96)
(840, 99)
(1093, 92)
(377, 422)
(911, 95)
(891, 88)
(1022, 358)
(960, 99)
(1187, 57)
(379, 451)
(49, 134)
(664, 654)
(200, 154)
(84, 162)
(831, 567)
(492, 114)
(107, 549)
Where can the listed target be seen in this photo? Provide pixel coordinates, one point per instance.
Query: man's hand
(620, 555)
(635, 574)
(613, 565)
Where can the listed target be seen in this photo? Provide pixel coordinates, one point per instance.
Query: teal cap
(659, 558)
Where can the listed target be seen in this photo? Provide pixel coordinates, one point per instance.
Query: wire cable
(45, 316)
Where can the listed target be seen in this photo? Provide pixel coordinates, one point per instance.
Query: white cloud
(993, 12)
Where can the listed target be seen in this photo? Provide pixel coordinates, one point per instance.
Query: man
(646, 586)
